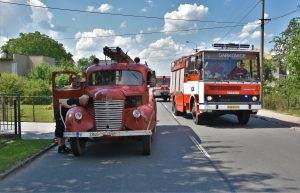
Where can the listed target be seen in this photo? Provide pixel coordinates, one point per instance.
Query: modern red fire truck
(121, 105)
(162, 88)
(221, 80)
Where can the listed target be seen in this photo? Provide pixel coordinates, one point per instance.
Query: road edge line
(25, 162)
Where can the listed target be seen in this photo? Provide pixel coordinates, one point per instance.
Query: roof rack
(233, 46)
(117, 54)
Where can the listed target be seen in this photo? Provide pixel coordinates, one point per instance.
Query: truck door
(65, 84)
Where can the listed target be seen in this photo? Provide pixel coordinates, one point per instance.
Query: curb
(276, 121)
(25, 162)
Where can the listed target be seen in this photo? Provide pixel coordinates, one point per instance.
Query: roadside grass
(14, 151)
(293, 112)
(42, 113)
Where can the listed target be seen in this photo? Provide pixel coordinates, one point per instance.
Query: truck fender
(85, 124)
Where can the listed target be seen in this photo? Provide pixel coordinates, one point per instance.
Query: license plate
(233, 107)
(96, 134)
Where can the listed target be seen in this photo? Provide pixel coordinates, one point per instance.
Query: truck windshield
(162, 81)
(116, 77)
(231, 66)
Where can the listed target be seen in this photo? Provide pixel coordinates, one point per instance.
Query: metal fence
(36, 109)
(10, 115)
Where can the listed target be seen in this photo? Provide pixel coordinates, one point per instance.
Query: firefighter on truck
(118, 103)
(217, 81)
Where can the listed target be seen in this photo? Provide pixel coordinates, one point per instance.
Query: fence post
(33, 110)
(15, 116)
(19, 115)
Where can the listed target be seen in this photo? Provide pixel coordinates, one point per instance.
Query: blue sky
(159, 50)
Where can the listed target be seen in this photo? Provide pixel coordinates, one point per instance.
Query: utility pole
(262, 44)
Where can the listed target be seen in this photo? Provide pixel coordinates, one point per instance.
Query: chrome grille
(108, 114)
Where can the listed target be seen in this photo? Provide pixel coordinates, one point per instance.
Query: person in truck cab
(66, 104)
(239, 71)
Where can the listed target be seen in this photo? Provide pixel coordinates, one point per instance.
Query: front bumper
(161, 93)
(228, 107)
(92, 134)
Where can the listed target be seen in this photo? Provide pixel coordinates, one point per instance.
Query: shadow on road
(231, 122)
(175, 165)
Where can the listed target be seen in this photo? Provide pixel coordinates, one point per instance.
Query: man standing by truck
(65, 105)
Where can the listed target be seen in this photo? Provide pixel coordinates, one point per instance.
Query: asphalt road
(218, 156)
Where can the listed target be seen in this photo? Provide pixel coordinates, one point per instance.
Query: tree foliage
(10, 84)
(84, 63)
(36, 44)
(287, 48)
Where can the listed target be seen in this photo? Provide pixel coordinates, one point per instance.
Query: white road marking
(201, 149)
(165, 106)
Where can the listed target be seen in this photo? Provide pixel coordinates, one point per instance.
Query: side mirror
(151, 79)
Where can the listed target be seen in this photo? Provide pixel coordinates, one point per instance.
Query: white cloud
(186, 12)
(123, 24)
(249, 28)
(216, 40)
(91, 42)
(90, 8)
(40, 16)
(3, 40)
(160, 53)
(149, 2)
(104, 8)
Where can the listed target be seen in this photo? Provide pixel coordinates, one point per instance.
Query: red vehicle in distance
(121, 104)
(162, 88)
(218, 81)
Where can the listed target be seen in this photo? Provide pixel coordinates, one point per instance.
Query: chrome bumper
(92, 134)
(229, 107)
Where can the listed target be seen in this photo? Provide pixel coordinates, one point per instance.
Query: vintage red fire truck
(121, 104)
(162, 88)
(221, 80)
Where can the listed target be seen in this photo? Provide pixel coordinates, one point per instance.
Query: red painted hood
(114, 92)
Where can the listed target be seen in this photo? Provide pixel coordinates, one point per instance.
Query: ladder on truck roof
(117, 54)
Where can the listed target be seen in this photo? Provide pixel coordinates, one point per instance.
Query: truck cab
(121, 103)
(162, 88)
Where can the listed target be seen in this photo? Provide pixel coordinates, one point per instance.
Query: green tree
(42, 72)
(10, 84)
(84, 63)
(36, 44)
(39, 91)
(268, 69)
(287, 48)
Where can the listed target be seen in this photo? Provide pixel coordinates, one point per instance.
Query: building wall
(22, 64)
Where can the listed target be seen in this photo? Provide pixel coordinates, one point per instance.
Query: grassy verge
(42, 113)
(14, 151)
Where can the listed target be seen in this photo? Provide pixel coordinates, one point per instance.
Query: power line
(286, 14)
(114, 14)
(154, 32)
(244, 17)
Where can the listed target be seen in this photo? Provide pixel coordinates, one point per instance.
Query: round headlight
(254, 98)
(136, 113)
(209, 98)
(78, 115)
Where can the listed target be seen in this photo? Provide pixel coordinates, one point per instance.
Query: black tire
(77, 146)
(146, 142)
(196, 117)
(243, 117)
(174, 110)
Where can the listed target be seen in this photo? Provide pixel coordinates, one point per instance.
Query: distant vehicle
(162, 88)
(121, 104)
(222, 80)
